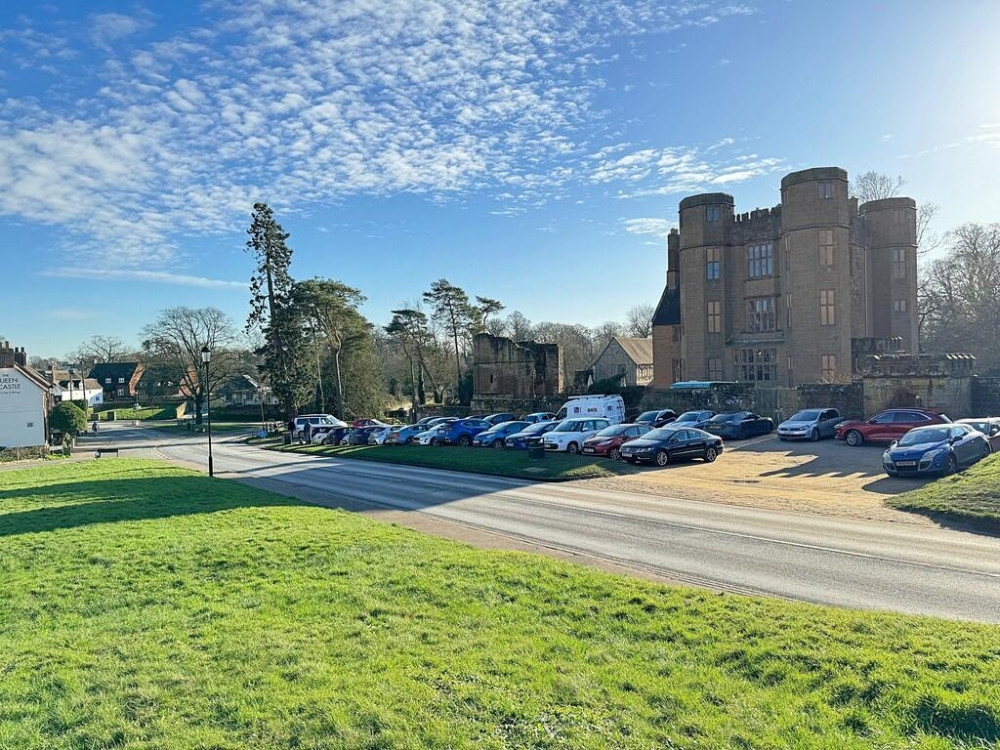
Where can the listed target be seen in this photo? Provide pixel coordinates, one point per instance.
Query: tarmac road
(862, 564)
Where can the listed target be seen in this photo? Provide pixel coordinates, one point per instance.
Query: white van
(611, 408)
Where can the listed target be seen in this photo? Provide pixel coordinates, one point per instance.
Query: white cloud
(162, 277)
(71, 313)
(659, 227)
(299, 103)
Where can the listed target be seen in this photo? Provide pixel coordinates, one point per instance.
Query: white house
(66, 387)
(24, 401)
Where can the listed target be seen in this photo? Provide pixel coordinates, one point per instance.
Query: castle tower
(815, 260)
(667, 321)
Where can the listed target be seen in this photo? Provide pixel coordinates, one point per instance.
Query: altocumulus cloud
(296, 102)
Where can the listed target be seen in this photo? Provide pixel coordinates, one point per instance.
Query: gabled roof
(114, 370)
(639, 351)
(668, 310)
(35, 377)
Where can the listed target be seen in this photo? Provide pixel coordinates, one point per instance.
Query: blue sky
(531, 151)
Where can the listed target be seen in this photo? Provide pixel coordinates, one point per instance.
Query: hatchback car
(404, 434)
(739, 425)
(810, 424)
(989, 426)
(462, 431)
(330, 435)
(530, 436)
(495, 436)
(887, 426)
(571, 434)
(938, 449)
(656, 418)
(671, 443)
(608, 442)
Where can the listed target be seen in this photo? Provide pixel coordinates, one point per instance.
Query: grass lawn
(143, 413)
(554, 467)
(971, 494)
(248, 428)
(146, 606)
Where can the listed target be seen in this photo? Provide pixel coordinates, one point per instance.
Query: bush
(68, 418)
(23, 454)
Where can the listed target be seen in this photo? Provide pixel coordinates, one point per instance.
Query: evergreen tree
(454, 313)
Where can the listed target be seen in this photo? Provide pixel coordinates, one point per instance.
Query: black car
(739, 425)
(495, 419)
(656, 418)
(697, 419)
(668, 444)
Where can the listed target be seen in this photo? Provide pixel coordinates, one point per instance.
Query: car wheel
(711, 454)
(498, 443)
(951, 467)
(814, 435)
(662, 458)
(854, 438)
(465, 441)
(573, 448)
(614, 454)
(742, 434)
(433, 441)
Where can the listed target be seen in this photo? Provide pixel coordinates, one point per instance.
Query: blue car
(462, 432)
(538, 416)
(940, 449)
(495, 419)
(494, 437)
(520, 441)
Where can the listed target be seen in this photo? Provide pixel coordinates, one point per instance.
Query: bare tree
(176, 339)
(100, 349)
(639, 321)
(873, 186)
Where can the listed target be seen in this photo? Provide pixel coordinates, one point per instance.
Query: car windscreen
(538, 428)
(806, 415)
(723, 418)
(916, 437)
(613, 431)
(647, 416)
(690, 416)
(569, 425)
(661, 434)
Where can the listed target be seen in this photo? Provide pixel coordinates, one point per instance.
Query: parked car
(494, 437)
(608, 442)
(462, 431)
(887, 426)
(431, 436)
(611, 408)
(360, 435)
(367, 423)
(530, 436)
(739, 425)
(330, 435)
(538, 416)
(697, 419)
(496, 419)
(379, 435)
(571, 434)
(405, 434)
(315, 421)
(810, 424)
(989, 426)
(656, 417)
(937, 449)
(672, 443)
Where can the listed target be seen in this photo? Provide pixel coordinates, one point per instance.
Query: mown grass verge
(972, 495)
(145, 606)
(507, 463)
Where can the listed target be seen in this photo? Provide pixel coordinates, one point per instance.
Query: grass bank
(554, 467)
(972, 495)
(145, 606)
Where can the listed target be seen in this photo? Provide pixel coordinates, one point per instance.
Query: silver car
(810, 424)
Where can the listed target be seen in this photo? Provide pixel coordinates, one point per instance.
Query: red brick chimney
(21, 357)
(6, 354)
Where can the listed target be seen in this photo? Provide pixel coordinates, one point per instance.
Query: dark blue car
(494, 437)
(940, 449)
(504, 416)
(462, 432)
(520, 441)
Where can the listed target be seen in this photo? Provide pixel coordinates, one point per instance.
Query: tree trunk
(339, 384)
(199, 404)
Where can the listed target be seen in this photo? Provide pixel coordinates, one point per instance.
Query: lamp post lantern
(206, 357)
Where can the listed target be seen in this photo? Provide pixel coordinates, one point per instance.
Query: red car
(887, 426)
(608, 442)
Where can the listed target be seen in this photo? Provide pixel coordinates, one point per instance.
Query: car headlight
(643, 450)
(931, 455)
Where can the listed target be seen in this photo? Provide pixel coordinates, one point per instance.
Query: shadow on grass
(131, 499)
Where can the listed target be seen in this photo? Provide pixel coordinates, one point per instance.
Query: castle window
(759, 365)
(712, 263)
(713, 367)
(899, 305)
(791, 362)
(786, 253)
(675, 334)
(711, 213)
(827, 307)
(714, 313)
(760, 261)
(826, 191)
(788, 310)
(899, 263)
(827, 366)
(760, 314)
(826, 247)
(677, 369)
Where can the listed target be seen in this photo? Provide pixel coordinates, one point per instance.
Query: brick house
(120, 380)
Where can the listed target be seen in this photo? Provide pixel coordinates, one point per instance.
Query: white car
(316, 421)
(568, 437)
(380, 435)
(431, 437)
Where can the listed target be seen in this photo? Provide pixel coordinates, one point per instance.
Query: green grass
(973, 494)
(554, 467)
(142, 413)
(248, 428)
(145, 606)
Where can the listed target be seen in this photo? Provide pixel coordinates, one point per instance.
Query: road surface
(900, 567)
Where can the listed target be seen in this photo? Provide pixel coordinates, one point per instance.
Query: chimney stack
(21, 357)
(6, 354)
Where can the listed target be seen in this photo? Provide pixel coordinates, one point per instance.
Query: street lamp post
(206, 357)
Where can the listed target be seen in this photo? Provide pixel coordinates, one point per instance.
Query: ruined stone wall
(951, 395)
(505, 369)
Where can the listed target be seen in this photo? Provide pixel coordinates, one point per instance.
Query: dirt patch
(827, 477)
